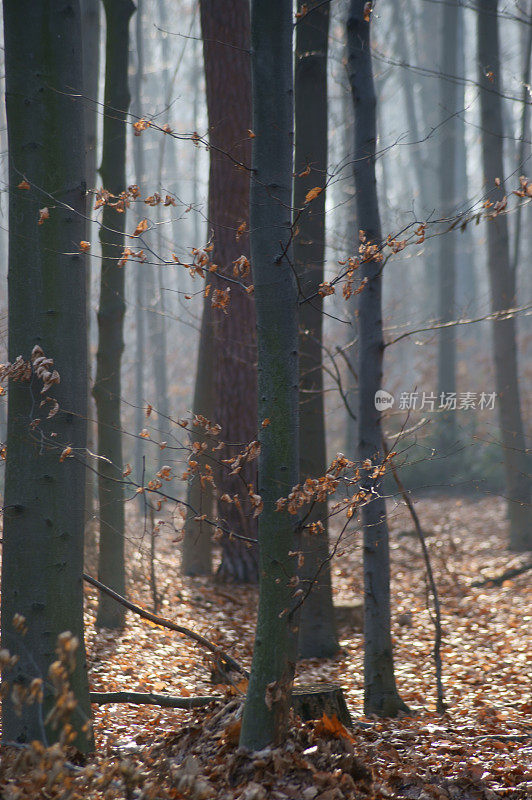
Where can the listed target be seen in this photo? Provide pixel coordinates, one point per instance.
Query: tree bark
(42, 556)
(380, 692)
(140, 274)
(265, 717)
(90, 17)
(502, 285)
(447, 429)
(226, 37)
(111, 312)
(317, 630)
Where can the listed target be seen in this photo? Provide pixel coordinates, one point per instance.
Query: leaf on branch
(44, 213)
(140, 126)
(84, 246)
(141, 227)
(23, 184)
(66, 453)
(313, 193)
(325, 289)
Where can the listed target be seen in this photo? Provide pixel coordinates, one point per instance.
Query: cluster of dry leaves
(481, 749)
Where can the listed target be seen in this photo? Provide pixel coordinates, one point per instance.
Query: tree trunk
(447, 430)
(140, 274)
(502, 284)
(317, 630)
(196, 554)
(90, 17)
(265, 717)
(225, 32)
(107, 386)
(44, 501)
(380, 692)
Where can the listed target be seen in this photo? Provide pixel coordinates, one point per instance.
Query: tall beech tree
(380, 692)
(42, 553)
(317, 633)
(90, 28)
(225, 32)
(502, 280)
(276, 301)
(111, 311)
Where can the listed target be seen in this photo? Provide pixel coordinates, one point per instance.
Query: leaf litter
(480, 749)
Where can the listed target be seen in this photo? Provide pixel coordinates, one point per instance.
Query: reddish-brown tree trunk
(226, 37)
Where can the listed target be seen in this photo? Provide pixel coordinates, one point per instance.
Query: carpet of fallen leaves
(481, 748)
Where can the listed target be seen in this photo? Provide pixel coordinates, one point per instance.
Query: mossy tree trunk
(42, 558)
(380, 692)
(111, 311)
(266, 711)
(317, 630)
(502, 284)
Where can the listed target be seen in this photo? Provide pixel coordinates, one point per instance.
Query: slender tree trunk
(107, 386)
(502, 285)
(466, 279)
(42, 558)
(90, 28)
(447, 430)
(140, 274)
(265, 717)
(380, 692)
(317, 631)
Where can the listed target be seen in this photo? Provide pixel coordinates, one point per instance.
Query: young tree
(140, 275)
(276, 302)
(317, 633)
(502, 283)
(42, 556)
(107, 386)
(380, 692)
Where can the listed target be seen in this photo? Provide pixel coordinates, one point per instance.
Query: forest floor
(481, 748)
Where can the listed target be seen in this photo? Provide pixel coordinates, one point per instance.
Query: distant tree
(380, 692)
(502, 283)
(42, 552)
(266, 710)
(317, 633)
(225, 31)
(111, 311)
(447, 430)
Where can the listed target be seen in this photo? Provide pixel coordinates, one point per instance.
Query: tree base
(350, 616)
(312, 700)
(386, 705)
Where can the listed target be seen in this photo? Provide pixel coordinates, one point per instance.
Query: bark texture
(226, 38)
(111, 312)
(317, 631)
(266, 711)
(502, 285)
(42, 553)
(380, 692)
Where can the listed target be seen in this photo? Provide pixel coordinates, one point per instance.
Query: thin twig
(166, 623)
(150, 699)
